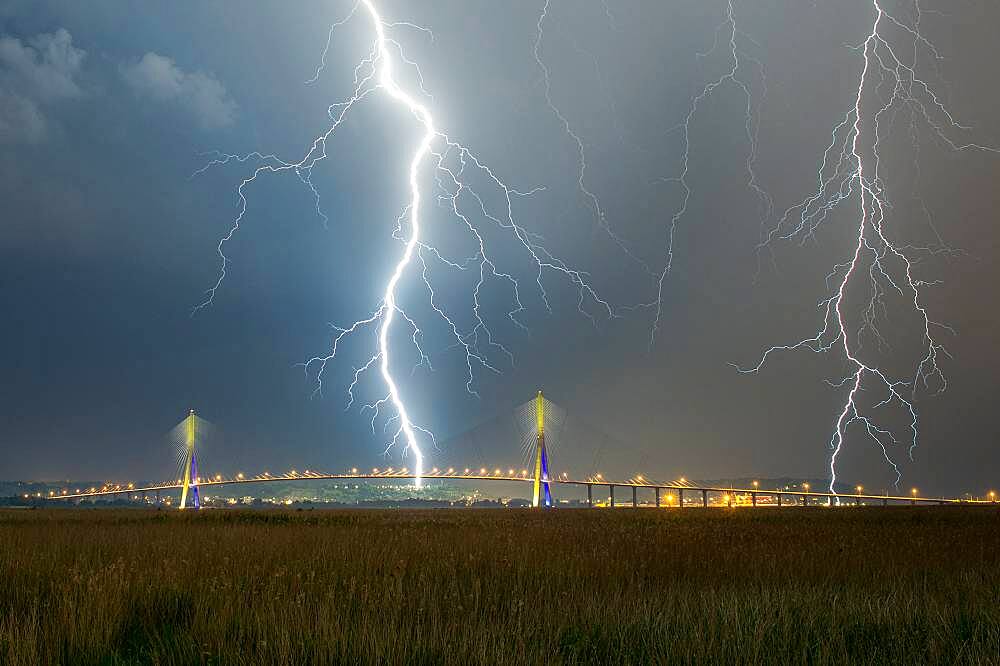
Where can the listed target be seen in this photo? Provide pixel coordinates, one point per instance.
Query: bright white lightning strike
(454, 165)
(419, 110)
(849, 169)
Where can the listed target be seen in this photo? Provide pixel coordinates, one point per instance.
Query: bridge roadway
(799, 497)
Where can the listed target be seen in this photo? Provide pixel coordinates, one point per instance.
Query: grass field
(852, 585)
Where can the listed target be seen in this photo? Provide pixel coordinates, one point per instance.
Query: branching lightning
(849, 171)
(889, 83)
(592, 200)
(454, 169)
(751, 110)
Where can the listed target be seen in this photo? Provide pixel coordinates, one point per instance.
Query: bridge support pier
(657, 498)
(680, 498)
(590, 495)
(805, 500)
(635, 501)
(885, 501)
(612, 487)
(704, 498)
(778, 495)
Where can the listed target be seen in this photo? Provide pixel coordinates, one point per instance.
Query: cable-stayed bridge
(538, 418)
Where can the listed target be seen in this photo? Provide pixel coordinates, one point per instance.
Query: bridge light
(466, 470)
(482, 470)
(354, 470)
(218, 477)
(375, 470)
(510, 472)
(50, 493)
(755, 484)
(434, 471)
(496, 472)
(131, 486)
(451, 470)
(806, 486)
(859, 489)
(293, 473)
(683, 480)
(993, 495)
(524, 472)
(913, 491)
(639, 477)
(670, 498)
(600, 476)
(239, 476)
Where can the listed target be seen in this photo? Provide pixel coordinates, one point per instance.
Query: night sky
(107, 241)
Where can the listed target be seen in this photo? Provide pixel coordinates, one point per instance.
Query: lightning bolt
(850, 171)
(751, 126)
(455, 169)
(600, 214)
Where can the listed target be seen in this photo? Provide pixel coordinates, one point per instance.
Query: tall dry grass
(868, 585)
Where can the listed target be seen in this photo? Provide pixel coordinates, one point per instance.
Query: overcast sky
(107, 241)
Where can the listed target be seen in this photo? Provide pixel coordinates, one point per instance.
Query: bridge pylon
(190, 484)
(541, 458)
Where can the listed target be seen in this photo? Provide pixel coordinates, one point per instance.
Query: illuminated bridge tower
(190, 466)
(541, 457)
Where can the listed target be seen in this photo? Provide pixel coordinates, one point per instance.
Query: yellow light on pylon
(540, 413)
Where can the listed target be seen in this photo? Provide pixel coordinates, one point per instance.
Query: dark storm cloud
(106, 241)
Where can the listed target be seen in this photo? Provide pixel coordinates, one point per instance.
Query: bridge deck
(123, 489)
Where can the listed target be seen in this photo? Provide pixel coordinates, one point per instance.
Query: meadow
(901, 585)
